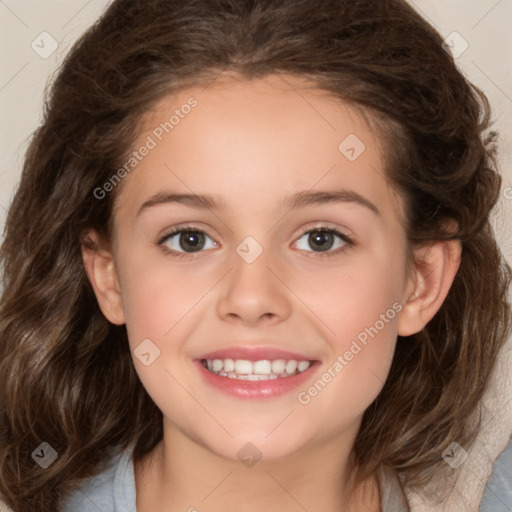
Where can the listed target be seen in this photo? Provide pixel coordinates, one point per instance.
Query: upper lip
(254, 354)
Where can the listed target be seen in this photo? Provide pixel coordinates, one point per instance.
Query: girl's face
(259, 171)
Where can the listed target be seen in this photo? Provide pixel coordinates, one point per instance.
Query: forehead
(267, 136)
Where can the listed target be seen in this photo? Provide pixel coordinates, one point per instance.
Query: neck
(181, 475)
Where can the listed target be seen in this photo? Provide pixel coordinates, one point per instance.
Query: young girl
(249, 264)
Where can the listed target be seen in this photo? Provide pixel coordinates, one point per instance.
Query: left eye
(324, 239)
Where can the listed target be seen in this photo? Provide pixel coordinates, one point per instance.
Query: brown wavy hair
(67, 373)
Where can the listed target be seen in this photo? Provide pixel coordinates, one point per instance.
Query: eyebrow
(297, 200)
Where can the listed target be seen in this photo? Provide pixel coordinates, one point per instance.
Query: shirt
(113, 490)
(498, 491)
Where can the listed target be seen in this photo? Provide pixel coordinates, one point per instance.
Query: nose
(254, 293)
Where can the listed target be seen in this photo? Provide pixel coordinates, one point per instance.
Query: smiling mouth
(265, 369)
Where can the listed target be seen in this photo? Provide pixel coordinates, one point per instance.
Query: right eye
(190, 240)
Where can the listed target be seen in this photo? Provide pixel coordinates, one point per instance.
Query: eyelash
(349, 242)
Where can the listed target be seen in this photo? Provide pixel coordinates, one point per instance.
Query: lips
(255, 354)
(255, 372)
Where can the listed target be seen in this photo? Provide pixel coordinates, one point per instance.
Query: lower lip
(256, 389)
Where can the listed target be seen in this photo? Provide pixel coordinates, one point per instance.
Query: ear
(429, 284)
(100, 268)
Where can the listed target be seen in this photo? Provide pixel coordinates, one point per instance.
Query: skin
(252, 144)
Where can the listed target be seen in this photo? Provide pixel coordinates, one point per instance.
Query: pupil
(192, 238)
(322, 239)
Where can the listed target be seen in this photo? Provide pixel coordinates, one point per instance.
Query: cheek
(356, 296)
(359, 308)
(157, 297)
(356, 370)
(158, 303)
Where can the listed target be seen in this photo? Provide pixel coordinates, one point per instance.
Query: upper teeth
(238, 367)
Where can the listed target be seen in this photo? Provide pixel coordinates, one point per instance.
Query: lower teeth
(250, 376)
